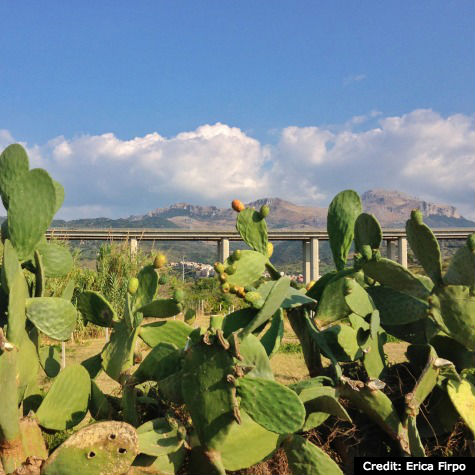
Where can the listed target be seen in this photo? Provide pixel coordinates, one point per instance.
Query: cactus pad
(357, 298)
(238, 319)
(96, 309)
(30, 210)
(161, 362)
(66, 403)
(253, 230)
(462, 395)
(162, 308)
(157, 437)
(249, 268)
(272, 405)
(305, 458)
(13, 165)
(148, 286)
(207, 393)
(342, 214)
(50, 359)
(54, 316)
(461, 269)
(367, 232)
(57, 260)
(425, 246)
(173, 332)
(99, 449)
(272, 338)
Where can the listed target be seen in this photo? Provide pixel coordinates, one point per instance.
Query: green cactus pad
(461, 269)
(378, 407)
(342, 341)
(57, 260)
(249, 268)
(54, 316)
(161, 362)
(13, 165)
(173, 332)
(259, 443)
(162, 308)
(99, 449)
(96, 309)
(59, 196)
(317, 289)
(40, 280)
(157, 437)
(238, 319)
(272, 405)
(452, 307)
(148, 286)
(68, 291)
(30, 211)
(296, 298)
(392, 274)
(170, 388)
(306, 458)
(419, 332)
(99, 405)
(11, 265)
(367, 232)
(462, 395)
(32, 438)
(397, 308)
(207, 393)
(118, 354)
(50, 359)
(332, 305)
(254, 356)
(168, 464)
(425, 247)
(16, 310)
(415, 443)
(271, 305)
(273, 336)
(342, 214)
(357, 298)
(253, 230)
(93, 365)
(65, 405)
(28, 364)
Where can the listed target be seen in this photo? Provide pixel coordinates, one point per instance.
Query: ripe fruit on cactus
(264, 210)
(159, 261)
(133, 285)
(237, 205)
(310, 285)
(270, 249)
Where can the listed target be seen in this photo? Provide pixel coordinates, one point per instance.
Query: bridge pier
(391, 249)
(310, 254)
(223, 249)
(133, 247)
(402, 251)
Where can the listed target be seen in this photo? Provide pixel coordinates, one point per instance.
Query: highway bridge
(395, 239)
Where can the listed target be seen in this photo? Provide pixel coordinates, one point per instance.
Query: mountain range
(392, 208)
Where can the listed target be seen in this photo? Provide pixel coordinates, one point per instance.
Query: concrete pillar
(391, 249)
(402, 251)
(306, 261)
(223, 249)
(314, 259)
(133, 247)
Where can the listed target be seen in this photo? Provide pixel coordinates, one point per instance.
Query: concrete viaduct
(395, 239)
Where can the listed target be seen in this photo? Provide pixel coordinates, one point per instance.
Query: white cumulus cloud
(421, 153)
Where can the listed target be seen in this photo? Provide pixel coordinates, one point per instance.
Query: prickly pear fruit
(237, 205)
(309, 285)
(225, 287)
(237, 255)
(133, 285)
(219, 267)
(270, 249)
(264, 211)
(253, 297)
(223, 277)
(160, 261)
(231, 269)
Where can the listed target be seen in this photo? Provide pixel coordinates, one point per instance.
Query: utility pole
(183, 268)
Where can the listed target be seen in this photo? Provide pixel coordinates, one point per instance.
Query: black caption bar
(415, 465)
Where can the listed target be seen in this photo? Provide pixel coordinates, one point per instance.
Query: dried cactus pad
(104, 448)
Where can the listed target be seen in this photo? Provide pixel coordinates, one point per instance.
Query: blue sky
(81, 69)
